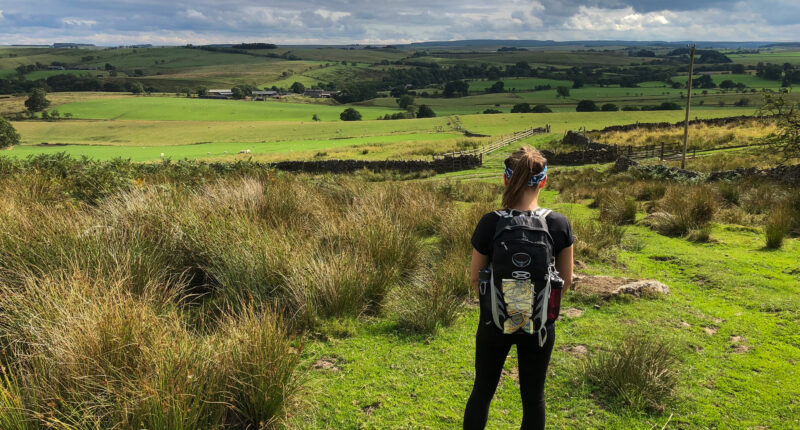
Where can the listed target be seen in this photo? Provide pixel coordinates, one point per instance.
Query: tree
(202, 91)
(405, 101)
(727, 84)
(456, 89)
(609, 107)
(297, 88)
(577, 83)
(315, 118)
(521, 108)
(497, 87)
(786, 115)
(541, 109)
(425, 111)
(8, 136)
(237, 93)
(37, 101)
(350, 114)
(586, 106)
(136, 87)
(562, 92)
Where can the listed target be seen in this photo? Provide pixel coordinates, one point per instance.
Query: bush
(350, 114)
(630, 108)
(609, 107)
(521, 108)
(586, 106)
(425, 111)
(541, 109)
(640, 371)
(491, 111)
(8, 136)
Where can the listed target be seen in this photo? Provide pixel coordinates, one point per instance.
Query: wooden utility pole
(688, 101)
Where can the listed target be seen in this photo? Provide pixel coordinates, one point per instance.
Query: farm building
(220, 93)
(320, 94)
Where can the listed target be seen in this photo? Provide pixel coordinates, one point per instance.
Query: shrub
(586, 106)
(609, 107)
(425, 111)
(540, 108)
(350, 114)
(630, 108)
(641, 371)
(521, 108)
(491, 111)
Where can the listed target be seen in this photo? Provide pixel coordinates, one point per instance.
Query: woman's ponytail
(521, 166)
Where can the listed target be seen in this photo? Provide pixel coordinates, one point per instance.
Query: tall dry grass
(165, 305)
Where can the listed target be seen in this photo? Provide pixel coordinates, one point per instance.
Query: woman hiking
(521, 255)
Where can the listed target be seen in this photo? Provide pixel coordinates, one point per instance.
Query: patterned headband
(535, 179)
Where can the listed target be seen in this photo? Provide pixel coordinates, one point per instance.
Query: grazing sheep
(244, 151)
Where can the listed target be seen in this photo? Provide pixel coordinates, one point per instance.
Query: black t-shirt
(558, 224)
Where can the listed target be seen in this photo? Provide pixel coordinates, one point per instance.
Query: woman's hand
(478, 263)
(564, 262)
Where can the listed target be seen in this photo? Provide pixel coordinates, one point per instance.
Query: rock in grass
(646, 287)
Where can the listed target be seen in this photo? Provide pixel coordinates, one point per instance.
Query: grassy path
(733, 314)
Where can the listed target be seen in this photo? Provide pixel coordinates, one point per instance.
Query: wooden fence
(494, 146)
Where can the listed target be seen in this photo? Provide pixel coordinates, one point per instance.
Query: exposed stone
(647, 287)
(603, 286)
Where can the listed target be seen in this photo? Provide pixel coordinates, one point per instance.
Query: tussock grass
(162, 304)
(778, 223)
(640, 371)
(616, 208)
(685, 209)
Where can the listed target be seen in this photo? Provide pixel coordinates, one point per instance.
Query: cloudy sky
(112, 22)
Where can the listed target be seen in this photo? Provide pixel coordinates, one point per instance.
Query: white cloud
(194, 14)
(333, 16)
(77, 22)
(625, 19)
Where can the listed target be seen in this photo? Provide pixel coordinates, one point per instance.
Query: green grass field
(190, 109)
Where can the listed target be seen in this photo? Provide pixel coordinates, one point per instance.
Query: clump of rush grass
(429, 300)
(778, 223)
(615, 207)
(596, 240)
(640, 371)
(684, 210)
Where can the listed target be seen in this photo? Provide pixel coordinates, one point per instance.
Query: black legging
(491, 349)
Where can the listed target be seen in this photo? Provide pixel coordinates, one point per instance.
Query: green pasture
(192, 109)
(776, 56)
(517, 84)
(158, 133)
(386, 146)
(751, 81)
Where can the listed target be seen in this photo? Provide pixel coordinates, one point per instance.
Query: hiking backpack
(522, 290)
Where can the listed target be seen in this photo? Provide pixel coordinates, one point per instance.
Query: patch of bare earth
(572, 313)
(737, 344)
(574, 350)
(711, 331)
(326, 363)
